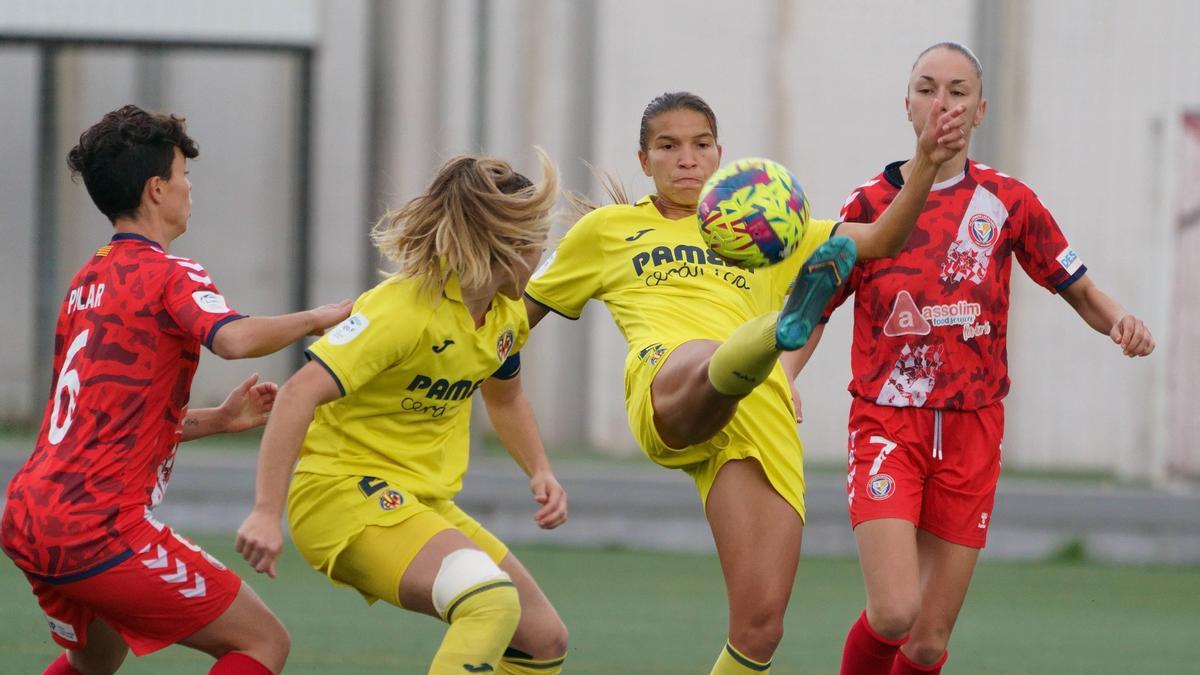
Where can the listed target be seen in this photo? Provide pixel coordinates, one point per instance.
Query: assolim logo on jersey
(504, 344)
(907, 319)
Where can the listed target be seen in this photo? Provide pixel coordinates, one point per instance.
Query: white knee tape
(461, 570)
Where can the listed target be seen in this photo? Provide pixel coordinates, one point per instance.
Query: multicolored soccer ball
(752, 213)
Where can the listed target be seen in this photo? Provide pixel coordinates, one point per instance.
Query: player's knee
(759, 635)
(927, 646)
(95, 662)
(469, 585)
(893, 619)
(550, 641)
(926, 654)
(273, 644)
(558, 638)
(281, 643)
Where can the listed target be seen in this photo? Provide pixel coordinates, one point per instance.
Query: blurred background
(313, 116)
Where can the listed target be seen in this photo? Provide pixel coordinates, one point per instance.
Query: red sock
(236, 663)
(867, 652)
(904, 666)
(61, 666)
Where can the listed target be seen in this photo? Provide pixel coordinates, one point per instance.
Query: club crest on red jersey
(982, 230)
(504, 344)
(881, 486)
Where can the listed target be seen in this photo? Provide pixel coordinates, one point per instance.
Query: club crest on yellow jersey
(504, 344)
(390, 500)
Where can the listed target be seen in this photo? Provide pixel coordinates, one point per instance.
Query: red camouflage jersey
(126, 347)
(930, 323)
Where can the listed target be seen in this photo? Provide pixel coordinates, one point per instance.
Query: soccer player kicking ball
(929, 365)
(380, 418)
(77, 520)
(704, 390)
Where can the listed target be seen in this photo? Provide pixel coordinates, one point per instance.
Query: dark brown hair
(673, 100)
(126, 148)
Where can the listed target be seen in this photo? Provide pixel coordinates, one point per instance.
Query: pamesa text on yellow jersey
(407, 363)
(659, 281)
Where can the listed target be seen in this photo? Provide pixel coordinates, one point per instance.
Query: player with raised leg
(704, 391)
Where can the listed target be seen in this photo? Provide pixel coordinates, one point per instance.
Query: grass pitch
(659, 614)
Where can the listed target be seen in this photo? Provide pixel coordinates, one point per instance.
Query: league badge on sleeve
(348, 329)
(210, 302)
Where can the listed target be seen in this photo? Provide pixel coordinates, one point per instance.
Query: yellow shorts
(764, 428)
(364, 532)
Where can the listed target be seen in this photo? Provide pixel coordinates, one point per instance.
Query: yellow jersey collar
(453, 288)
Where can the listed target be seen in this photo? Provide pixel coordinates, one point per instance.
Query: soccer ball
(752, 213)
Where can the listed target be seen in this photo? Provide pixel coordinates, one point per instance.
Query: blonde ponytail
(478, 215)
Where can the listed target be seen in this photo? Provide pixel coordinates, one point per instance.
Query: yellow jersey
(407, 364)
(658, 278)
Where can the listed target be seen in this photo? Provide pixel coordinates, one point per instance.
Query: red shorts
(937, 469)
(165, 591)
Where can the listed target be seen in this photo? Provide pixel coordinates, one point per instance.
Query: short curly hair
(126, 148)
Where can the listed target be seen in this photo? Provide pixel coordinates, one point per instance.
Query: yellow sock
(746, 359)
(733, 662)
(482, 622)
(517, 663)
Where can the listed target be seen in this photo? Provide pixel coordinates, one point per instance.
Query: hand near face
(944, 133)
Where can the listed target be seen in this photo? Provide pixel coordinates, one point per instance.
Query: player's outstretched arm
(260, 538)
(941, 139)
(512, 416)
(1106, 316)
(261, 335)
(246, 407)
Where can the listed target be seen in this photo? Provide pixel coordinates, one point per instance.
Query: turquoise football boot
(819, 279)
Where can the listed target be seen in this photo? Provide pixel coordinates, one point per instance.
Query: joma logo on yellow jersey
(443, 390)
(665, 255)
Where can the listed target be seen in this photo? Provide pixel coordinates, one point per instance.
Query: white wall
(1082, 95)
(18, 267)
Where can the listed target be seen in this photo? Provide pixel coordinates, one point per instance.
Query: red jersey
(126, 347)
(930, 323)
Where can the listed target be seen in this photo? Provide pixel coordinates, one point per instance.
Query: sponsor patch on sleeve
(1069, 260)
(213, 303)
(545, 265)
(347, 330)
(62, 629)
